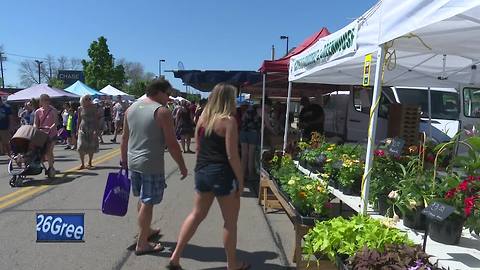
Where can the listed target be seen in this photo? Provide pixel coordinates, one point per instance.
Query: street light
(39, 78)
(285, 37)
(160, 67)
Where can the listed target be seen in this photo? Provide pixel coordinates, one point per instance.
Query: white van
(347, 112)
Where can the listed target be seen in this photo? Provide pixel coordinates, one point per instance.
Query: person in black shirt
(311, 118)
(250, 126)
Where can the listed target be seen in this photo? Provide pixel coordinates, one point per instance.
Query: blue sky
(206, 34)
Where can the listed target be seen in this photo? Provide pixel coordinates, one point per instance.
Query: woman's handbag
(117, 192)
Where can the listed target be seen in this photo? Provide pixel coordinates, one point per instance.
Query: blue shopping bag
(117, 192)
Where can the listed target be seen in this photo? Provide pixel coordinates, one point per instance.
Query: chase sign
(69, 77)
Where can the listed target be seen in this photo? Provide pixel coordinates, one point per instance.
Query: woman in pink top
(46, 121)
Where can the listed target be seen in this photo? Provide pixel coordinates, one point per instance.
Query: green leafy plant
(393, 257)
(384, 176)
(309, 196)
(345, 237)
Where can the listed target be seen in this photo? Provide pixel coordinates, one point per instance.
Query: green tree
(137, 88)
(56, 83)
(100, 70)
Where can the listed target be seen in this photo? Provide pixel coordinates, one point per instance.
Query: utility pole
(39, 78)
(273, 52)
(1, 67)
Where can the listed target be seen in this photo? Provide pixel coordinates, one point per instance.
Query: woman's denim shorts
(217, 178)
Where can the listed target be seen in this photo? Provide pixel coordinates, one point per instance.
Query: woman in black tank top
(218, 173)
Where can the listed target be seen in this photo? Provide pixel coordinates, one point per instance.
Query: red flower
(450, 193)
(469, 203)
(430, 158)
(471, 178)
(379, 153)
(463, 186)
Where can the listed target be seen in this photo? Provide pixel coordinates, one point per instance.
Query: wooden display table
(277, 200)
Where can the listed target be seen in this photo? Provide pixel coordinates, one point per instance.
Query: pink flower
(379, 153)
(471, 178)
(463, 186)
(469, 203)
(328, 205)
(451, 193)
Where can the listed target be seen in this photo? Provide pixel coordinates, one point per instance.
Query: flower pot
(414, 218)
(353, 190)
(383, 204)
(448, 231)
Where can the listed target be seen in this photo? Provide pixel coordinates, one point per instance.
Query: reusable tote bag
(117, 192)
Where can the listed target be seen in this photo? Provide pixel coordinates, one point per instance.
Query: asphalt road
(109, 240)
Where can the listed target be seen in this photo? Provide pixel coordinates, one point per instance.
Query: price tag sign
(438, 211)
(367, 64)
(396, 147)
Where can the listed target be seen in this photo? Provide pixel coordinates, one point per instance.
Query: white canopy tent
(112, 91)
(417, 42)
(179, 98)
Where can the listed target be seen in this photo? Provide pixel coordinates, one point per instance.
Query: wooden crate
(404, 122)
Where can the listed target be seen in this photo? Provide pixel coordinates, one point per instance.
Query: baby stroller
(28, 146)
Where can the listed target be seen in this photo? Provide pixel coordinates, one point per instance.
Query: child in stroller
(28, 146)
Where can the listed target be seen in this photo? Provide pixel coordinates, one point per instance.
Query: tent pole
(287, 114)
(262, 131)
(377, 92)
(429, 113)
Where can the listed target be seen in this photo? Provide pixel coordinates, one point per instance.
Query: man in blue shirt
(5, 122)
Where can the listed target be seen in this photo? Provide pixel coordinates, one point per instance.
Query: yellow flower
(309, 187)
(412, 203)
(328, 160)
(291, 182)
(320, 189)
(325, 175)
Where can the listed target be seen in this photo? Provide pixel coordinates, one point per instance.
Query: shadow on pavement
(257, 259)
(66, 178)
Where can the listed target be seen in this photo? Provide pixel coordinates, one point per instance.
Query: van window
(445, 105)
(362, 100)
(471, 102)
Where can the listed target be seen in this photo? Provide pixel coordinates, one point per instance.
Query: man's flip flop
(245, 266)
(152, 236)
(157, 248)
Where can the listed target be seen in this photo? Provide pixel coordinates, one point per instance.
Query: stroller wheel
(16, 181)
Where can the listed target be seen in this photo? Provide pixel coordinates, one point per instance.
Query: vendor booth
(38, 89)
(81, 89)
(413, 43)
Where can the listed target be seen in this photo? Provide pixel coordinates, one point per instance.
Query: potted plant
(392, 257)
(465, 197)
(309, 197)
(384, 178)
(343, 238)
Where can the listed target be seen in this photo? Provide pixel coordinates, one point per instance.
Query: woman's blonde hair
(221, 104)
(83, 99)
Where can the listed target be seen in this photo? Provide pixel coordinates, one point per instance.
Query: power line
(25, 56)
